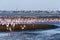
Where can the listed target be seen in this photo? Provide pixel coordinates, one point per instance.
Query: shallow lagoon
(52, 34)
(49, 34)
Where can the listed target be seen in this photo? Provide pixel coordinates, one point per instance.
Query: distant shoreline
(31, 11)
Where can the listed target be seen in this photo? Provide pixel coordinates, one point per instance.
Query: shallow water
(28, 14)
(52, 34)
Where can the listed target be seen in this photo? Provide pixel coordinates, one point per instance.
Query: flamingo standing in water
(22, 27)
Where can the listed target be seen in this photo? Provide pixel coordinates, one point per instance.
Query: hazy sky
(30, 4)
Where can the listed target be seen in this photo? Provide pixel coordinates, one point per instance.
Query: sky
(29, 4)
